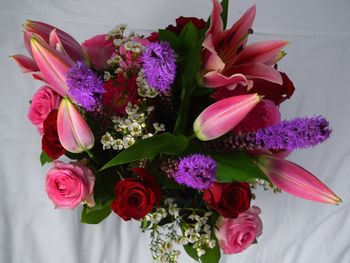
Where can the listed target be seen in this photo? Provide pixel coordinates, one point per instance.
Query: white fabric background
(295, 231)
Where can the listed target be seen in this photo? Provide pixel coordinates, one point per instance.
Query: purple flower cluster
(159, 66)
(85, 87)
(196, 171)
(294, 134)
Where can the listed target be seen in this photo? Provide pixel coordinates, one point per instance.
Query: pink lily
(228, 61)
(74, 133)
(53, 65)
(295, 180)
(223, 116)
(57, 38)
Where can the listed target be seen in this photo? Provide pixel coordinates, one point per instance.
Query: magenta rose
(236, 234)
(70, 184)
(43, 102)
(99, 49)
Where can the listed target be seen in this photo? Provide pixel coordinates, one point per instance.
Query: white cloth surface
(295, 230)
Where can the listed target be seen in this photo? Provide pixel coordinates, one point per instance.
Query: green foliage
(170, 37)
(95, 215)
(236, 166)
(188, 36)
(149, 148)
(44, 158)
(224, 4)
(212, 255)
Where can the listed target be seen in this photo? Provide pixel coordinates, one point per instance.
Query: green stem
(90, 154)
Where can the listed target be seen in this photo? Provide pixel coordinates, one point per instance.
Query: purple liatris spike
(294, 134)
(196, 171)
(85, 87)
(159, 66)
(288, 135)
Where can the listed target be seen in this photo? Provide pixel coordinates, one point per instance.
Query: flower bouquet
(175, 129)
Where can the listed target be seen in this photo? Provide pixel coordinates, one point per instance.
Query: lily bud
(53, 65)
(68, 43)
(295, 180)
(73, 132)
(223, 116)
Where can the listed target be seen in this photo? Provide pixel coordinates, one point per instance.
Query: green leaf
(149, 148)
(44, 158)
(224, 4)
(170, 37)
(212, 255)
(236, 166)
(188, 36)
(95, 215)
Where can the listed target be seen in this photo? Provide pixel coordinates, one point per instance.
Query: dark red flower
(228, 199)
(136, 197)
(119, 92)
(271, 91)
(153, 37)
(50, 142)
(182, 21)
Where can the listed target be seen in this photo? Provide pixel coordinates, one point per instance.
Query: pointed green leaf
(95, 215)
(149, 148)
(188, 36)
(44, 158)
(170, 37)
(236, 166)
(224, 4)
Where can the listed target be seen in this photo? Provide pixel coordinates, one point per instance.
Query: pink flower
(68, 185)
(43, 102)
(236, 234)
(99, 49)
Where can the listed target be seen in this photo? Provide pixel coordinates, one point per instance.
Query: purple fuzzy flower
(294, 134)
(85, 87)
(159, 66)
(196, 171)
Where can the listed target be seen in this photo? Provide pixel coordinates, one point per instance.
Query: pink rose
(236, 234)
(68, 185)
(99, 49)
(43, 102)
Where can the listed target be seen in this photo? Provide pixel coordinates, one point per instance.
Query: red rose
(136, 197)
(50, 142)
(182, 21)
(228, 199)
(118, 92)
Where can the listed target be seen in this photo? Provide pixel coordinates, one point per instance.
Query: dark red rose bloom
(228, 199)
(271, 91)
(153, 37)
(50, 142)
(119, 92)
(136, 197)
(182, 21)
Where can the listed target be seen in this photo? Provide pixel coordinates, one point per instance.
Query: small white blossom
(200, 252)
(158, 127)
(118, 145)
(106, 76)
(107, 141)
(149, 135)
(135, 129)
(212, 243)
(128, 141)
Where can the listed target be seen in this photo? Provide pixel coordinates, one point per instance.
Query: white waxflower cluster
(144, 90)
(117, 31)
(129, 129)
(165, 237)
(266, 185)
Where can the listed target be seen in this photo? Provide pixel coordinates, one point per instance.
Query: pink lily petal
(56, 43)
(70, 45)
(260, 52)
(39, 76)
(26, 64)
(223, 116)
(212, 61)
(260, 71)
(52, 64)
(216, 24)
(275, 59)
(74, 133)
(295, 180)
(26, 41)
(214, 79)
